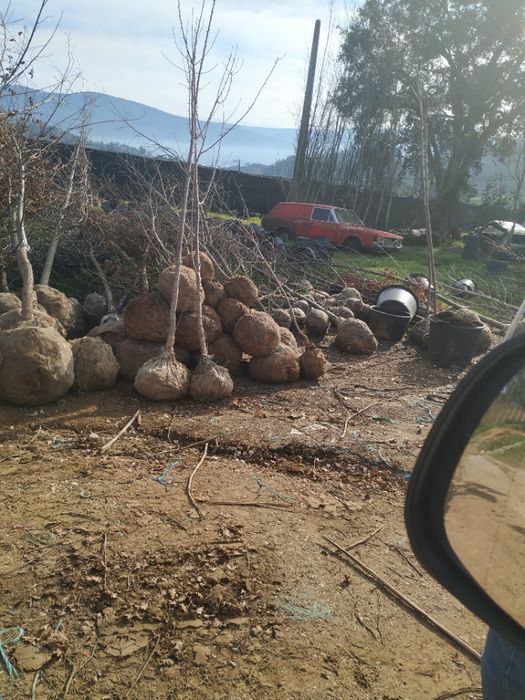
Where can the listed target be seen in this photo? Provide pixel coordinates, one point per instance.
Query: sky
(127, 49)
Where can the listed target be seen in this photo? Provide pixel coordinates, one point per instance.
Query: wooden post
(302, 142)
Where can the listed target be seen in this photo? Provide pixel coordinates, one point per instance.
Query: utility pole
(302, 142)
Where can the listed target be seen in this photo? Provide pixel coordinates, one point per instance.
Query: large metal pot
(463, 287)
(397, 299)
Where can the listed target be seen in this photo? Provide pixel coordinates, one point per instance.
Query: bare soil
(125, 590)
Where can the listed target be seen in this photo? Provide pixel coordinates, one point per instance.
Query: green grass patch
(508, 287)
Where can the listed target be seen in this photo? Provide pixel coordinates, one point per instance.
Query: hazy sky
(120, 47)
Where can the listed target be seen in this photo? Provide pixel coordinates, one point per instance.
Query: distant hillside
(113, 119)
(281, 168)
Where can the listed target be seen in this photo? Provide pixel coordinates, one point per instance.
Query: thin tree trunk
(4, 284)
(22, 248)
(107, 289)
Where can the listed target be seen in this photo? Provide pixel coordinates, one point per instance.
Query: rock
(280, 367)
(317, 323)
(147, 318)
(242, 289)
(187, 299)
(36, 366)
(57, 305)
(95, 364)
(256, 334)
(354, 336)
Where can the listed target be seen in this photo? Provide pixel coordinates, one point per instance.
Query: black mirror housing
(429, 486)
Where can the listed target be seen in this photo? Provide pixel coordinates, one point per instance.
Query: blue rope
(8, 637)
(165, 478)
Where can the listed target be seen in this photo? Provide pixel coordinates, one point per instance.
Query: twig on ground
(34, 684)
(121, 432)
(104, 559)
(139, 674)
(460, 691)
(404, 556)
(358, 413)
(400, 597)
(188, 485)
(74, 671)
(248, 504)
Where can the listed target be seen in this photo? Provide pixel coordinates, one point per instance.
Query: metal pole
(302, 142)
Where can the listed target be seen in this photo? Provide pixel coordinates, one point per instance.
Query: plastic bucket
(386, 325)
(397, 299)
(449, 344)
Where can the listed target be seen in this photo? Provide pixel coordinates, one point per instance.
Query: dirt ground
(125, 590)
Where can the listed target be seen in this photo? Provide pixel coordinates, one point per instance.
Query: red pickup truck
(342, 227)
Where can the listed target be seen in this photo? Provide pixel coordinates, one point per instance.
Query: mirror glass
(485, 515)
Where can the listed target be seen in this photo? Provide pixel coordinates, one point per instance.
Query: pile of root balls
(238, 333)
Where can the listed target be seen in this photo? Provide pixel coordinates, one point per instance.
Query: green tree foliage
(470, 55)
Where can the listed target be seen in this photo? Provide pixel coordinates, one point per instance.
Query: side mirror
(465, 506)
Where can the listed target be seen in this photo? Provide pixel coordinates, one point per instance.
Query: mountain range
(118, 120)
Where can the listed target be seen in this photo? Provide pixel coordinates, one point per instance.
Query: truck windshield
(347, 216)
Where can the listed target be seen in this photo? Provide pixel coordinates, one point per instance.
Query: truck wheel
(285, 234)
(353, 244)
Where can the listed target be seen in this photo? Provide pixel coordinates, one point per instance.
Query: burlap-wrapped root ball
(36, 366)
(282, 318)
(485, 340)
(230, 311)
(110, 329)
(95, 364)
(313, 363)
(188, 329)
(9, 302)
(163, 378)
(257, 334)
(280, 367)
(419, 332)
(95, 306)
(316, 323)
(302, 304)
(213, 293)
(147, 318)
(287, 338)
(243, 289)
(226, 352)
(355, 337)
(40, 319)
(210, 381)
(299, 316)
(187, 300)
(132, 354)
(342, 312)
(207, 266)
(80, 326)
(351, 298)
(57, 305)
